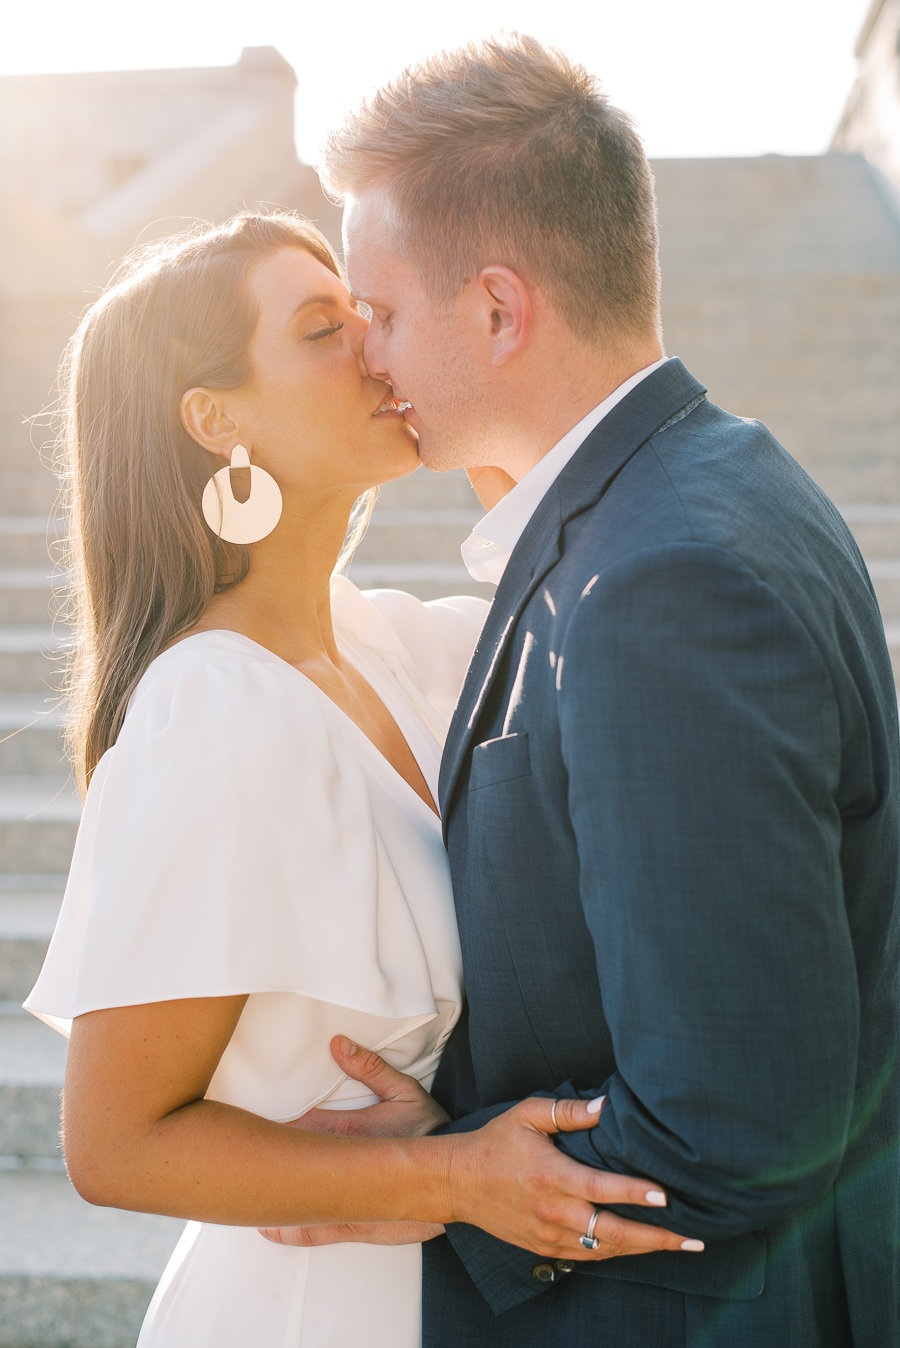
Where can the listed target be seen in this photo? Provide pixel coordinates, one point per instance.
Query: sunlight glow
(700, 77)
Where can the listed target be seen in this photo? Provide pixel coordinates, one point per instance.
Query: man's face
(429, 355)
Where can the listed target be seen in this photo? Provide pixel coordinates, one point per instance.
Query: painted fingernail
(693, 1245)
(594, 1106)
(656, 1198)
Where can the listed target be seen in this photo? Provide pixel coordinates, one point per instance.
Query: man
(671, 791)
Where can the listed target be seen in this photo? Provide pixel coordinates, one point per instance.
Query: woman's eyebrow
(324, 299)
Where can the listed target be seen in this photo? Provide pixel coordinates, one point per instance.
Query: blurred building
(92, 163)
(871, 118)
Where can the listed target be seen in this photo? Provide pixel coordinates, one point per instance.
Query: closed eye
(323, 332)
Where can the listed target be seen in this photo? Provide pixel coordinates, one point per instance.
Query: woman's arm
(140, 1135)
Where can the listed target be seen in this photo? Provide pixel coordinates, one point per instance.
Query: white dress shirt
(489, 546)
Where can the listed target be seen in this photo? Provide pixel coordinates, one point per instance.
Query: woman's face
(310, 413)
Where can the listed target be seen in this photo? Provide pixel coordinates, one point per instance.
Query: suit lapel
(662, 397)
(517, 584)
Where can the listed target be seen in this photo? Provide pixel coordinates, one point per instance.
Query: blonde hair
(142, 562)
(505, 152)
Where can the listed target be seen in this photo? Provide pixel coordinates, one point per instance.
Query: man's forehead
(369, 256)
(365, 219)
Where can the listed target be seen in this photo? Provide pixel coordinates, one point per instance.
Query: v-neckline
(345, 718)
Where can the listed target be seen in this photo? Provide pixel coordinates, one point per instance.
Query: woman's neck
(284, 602)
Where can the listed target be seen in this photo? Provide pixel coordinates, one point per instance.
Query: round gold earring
(241, 521)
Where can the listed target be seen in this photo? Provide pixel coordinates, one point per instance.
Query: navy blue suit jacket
(671, 797)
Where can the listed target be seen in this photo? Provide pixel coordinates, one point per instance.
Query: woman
(259, 866)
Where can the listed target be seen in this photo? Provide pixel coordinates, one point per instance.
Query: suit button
(564, 1265)
(544, 1272)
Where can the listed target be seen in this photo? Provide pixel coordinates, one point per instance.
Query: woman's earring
(241, 521)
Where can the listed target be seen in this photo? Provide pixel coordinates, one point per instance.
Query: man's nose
(373, 355)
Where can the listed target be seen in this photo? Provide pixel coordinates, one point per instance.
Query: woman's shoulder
(225, 660)
(203, 651)
(220, 694)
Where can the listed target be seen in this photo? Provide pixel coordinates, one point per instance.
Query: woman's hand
(507, 1177)
(510, 1180)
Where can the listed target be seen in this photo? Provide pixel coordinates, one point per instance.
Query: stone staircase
(811, 344)
(71, 1276)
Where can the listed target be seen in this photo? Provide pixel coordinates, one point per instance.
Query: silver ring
(589, 1240)
(554, 1124)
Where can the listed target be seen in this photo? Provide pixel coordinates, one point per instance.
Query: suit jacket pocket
(500, 760)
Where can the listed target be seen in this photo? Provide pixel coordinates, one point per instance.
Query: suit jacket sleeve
(700, 732)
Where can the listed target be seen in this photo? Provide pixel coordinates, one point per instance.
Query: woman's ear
(207, 420)
(506, 300)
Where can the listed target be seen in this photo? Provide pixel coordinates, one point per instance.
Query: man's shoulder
(723, 483)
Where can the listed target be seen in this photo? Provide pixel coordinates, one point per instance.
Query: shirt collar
(489, 546)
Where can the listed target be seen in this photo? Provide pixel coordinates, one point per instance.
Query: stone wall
(871, 118)
(91, 164)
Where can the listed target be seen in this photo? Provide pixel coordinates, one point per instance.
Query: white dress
(243, 836)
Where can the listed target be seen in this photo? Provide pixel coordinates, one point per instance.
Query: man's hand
(404, 1109)
(365, 1233)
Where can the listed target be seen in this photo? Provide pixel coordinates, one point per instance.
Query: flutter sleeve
(228, 846)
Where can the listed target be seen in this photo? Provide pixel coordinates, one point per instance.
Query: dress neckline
(344, 720)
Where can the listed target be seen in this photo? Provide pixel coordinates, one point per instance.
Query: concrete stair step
(23, 454)
(871, 478)
(31, 657)
(30, 736)
(885, 573)
(74, 1276)
(38, 822)
(892, 632)
(28, 914)
(27, 491)
(29, 540)
(425, 488)
(32, 1067)
(26, 593)
(423, 579)
(766, 214)
(876, 528)
(431, 533)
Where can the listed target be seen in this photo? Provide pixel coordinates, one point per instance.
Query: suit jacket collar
(660, 398)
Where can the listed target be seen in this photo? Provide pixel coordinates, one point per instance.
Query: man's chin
(439, 459)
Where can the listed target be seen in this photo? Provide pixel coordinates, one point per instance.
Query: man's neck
(582, 379)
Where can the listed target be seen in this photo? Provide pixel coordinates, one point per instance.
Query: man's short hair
(505, 152)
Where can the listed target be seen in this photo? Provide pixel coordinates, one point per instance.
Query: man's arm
(699, 730)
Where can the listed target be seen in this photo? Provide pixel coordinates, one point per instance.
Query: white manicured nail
(594, 1106)
(656, 1198)
(692, 1245)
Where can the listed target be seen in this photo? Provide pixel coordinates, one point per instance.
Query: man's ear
(207, 420)
(506, 300)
